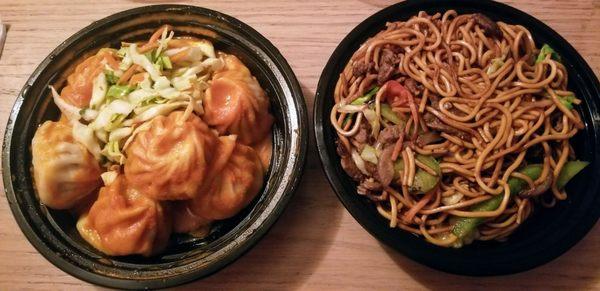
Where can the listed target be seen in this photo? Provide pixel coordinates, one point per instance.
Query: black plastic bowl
(53, 233)
(549, 232)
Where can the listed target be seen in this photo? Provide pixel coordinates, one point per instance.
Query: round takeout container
(548, 233)
(53, 232)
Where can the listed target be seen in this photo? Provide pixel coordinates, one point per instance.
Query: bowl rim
(289, 187)
(329, 75)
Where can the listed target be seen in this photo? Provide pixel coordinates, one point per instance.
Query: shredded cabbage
(109, 177)
(99, 88)
(369, 154)
(70, 111)
(163, 42)
(360, 163)
(152, 111)
(112, 152)
(85, 135)
(196, 52)
(371, 116)
(116, 113)
(120, 133)
(126, 62)
(205, 47)
(452, 199)
(88, 114)
(146, 64)
(106, 116)
(117, 92)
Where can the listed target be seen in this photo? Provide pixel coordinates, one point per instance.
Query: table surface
(316, 244)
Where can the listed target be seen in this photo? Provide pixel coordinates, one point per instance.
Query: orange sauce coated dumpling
(123, 221)
(236, 178)
(63, 169)
(236, 104)
(170, 160)
(78, 91)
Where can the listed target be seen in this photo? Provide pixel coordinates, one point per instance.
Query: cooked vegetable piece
(569, 170)
(361, 101)
(369, 154)
(365, 98)
(567, 101)
(424, 181)
(389, 115)
(118, 91)
(464, 226)
(167, 62)
(545, 50)
(496, 64)
(111, 78)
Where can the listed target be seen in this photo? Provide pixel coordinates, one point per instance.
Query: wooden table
(316, 244)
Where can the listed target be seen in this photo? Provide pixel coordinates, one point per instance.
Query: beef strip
(395, 48)
(371, 184)
(414, 87)
(429, 137)
(362, 137)
(387, 65)
(371, 169)
(435, 123)
(389, 134)
(361, 68)
(373, 195)
(385, 167)
(348, 164)
(490, 28)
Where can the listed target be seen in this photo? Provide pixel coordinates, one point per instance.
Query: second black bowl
(544, 236)
(53, 233)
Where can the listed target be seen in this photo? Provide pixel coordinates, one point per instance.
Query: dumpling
(64, 171)
(236, 104)
(169, 160)
(264, 149)
(78, 90)
(237, 176)
(124, 221)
